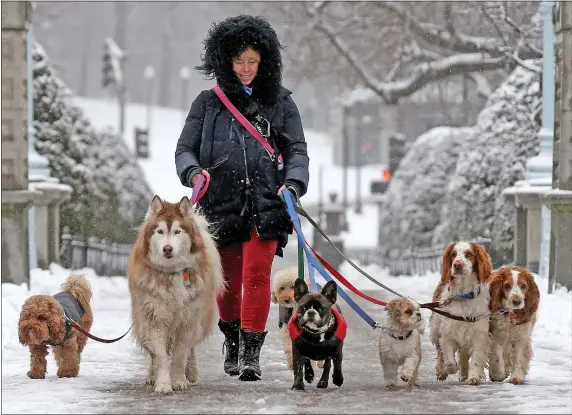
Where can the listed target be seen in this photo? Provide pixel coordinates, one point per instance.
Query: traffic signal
(108, 77)
(142, 143)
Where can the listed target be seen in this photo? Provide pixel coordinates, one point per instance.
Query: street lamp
(185, 75)
(539, 168)
(149, 75)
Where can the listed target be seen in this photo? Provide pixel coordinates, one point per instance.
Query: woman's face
(245, 66)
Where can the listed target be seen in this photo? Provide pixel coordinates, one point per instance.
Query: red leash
(353, 289)
(79, 328)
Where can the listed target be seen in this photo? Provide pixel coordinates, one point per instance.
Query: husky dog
(175, 275)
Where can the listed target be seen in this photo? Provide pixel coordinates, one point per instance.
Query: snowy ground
(112, 375)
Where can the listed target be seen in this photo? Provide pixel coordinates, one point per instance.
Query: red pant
(246, 267)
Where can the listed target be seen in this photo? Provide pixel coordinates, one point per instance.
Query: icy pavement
(112, 376)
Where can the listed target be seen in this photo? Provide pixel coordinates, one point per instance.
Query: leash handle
(200, 188)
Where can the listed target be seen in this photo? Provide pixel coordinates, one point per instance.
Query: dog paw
(407, 377)
(192, 375)
(36, 375)
(163, 388)
(441, 376)
(390, 385)
(298, 387)
(516, 380)
(451, 368)
(309, 376)
(462, 378)
(322, 384)
(496, 377)
(338, 379)
(473, 381)
(180, 384)
(67, 373)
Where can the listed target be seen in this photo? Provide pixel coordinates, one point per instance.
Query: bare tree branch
(483, 87)
(423, 73)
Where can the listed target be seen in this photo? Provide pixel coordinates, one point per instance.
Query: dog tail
(79, 287)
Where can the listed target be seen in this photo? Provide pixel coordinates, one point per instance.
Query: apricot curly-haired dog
(283, 295)
(42, 323)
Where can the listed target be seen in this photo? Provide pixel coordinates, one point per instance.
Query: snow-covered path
(112, 375)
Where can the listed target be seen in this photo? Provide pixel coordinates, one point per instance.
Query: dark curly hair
(226, 40)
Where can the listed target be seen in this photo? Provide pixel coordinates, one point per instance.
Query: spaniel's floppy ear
(445, 271)
(496, 290)
(484, 266)
(532, 298)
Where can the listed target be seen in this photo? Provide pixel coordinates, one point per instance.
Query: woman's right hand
(195, 179)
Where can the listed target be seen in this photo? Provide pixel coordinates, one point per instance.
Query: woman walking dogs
(242, 202)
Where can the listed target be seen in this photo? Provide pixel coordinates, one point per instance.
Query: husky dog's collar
(402, 337)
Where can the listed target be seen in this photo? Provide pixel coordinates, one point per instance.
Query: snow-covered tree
(506, 135)
(110, 194)
(416, 193)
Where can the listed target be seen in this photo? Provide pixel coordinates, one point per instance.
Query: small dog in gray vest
(46, 321)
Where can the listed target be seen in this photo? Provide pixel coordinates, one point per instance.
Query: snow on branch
(450, 39)
(422, 74)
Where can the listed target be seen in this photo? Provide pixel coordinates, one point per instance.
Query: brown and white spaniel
(462, 292)
(513, 304)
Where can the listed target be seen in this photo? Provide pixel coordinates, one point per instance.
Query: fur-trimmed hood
(228, 39)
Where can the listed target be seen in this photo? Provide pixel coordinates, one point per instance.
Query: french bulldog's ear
(330, 291)
(300, 289)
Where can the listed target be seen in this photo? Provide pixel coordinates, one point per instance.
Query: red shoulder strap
(242, 119)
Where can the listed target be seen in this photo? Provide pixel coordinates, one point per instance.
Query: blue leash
(314, 263)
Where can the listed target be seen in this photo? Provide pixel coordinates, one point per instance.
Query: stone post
(520, 228)
(16, 197)
(559, 199)
(47, 220)
(334, 216)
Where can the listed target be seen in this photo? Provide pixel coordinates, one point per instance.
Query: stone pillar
(528, 198)
(16, 197)
(560, 198)
(47, 220)
(520, 228)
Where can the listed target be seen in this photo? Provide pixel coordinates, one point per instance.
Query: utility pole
(345, 155)
(185, 75)
(121, 40)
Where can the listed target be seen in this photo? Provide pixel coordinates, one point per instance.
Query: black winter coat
(211, 140)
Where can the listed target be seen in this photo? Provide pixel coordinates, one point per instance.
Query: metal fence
(104, 257)
(411, 261)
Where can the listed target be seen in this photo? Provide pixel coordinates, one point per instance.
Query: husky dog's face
(172, 233)
(314, 310)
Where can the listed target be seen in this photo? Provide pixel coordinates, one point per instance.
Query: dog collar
(403, 337)
(340, 332)
(465, 296)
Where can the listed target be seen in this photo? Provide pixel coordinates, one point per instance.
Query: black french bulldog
(317, 329)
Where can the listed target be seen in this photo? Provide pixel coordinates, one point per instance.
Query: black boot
(249, 354)
(230, 330)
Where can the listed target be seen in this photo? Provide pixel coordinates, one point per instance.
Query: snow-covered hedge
(417, 190)
(449, 186)
(506, 136)
(110, 194)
